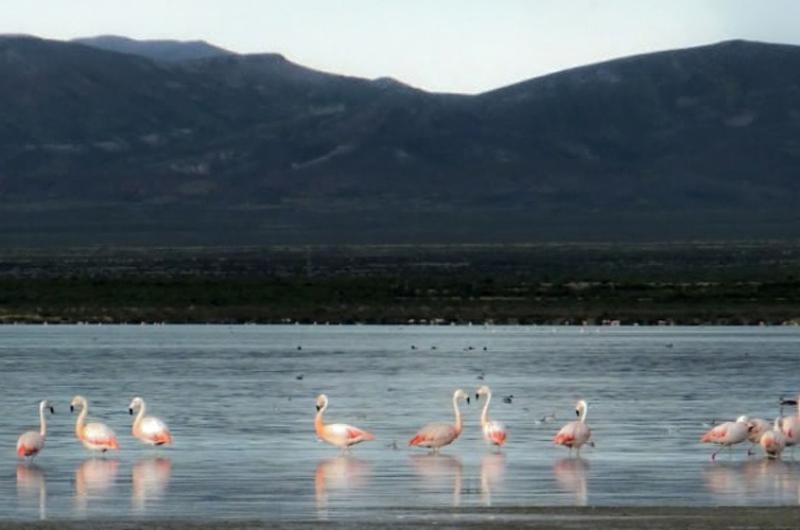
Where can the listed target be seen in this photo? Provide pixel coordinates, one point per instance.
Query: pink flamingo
(575, 433)
(773, 441)
(93, 436)
(437, 435)
(337, 434)
(727, 434)
(791, 424)
(494, 432)
(30, 443)
(148, 429)
(756, 427)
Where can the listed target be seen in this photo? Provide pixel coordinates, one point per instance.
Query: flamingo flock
(95, 436)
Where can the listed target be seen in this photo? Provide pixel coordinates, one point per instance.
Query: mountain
(98, 146)
(158, 50)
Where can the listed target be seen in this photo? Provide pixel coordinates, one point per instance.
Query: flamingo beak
(577, 412)
(130, 411)
(318, 407)
(477, 397)
(71, 408)
(468, 400)
(788, 402)
(52, 410)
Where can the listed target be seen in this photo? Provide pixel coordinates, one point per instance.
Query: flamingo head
(745, 420)
(322, 402)
(136, 404)
(790, 401)
(580, 407)
(482, 391)
(459, 394)
(47, 405)
(77, 401)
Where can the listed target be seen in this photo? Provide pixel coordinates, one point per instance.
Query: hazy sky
(444, 45)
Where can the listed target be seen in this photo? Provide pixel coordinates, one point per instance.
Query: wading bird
(337, 434)
(773, 442)
(30, 444)
(148, 429)
(791, 424)
(94, 436)
(727, 434)
(756, 427)
(575, 433)
(437, 435)
(494, 432)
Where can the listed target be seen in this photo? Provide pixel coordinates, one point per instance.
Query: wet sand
(655, 518)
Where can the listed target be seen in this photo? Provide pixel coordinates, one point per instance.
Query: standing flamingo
(756, 427)
(148, 429)
(437, 435)
(575, 433)
(93, 436)
(791, 424)
(494, 432)
(337, 434)
(726, 434)
(774, 441)
(30, 443)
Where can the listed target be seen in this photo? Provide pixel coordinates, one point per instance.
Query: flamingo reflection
(437, 471)
(32, 486)
(742, 482)
(150, 478)
(493, 468)
(571, 475)
(94, 477)
(340, 474)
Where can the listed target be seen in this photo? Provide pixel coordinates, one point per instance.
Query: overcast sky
(444, 45)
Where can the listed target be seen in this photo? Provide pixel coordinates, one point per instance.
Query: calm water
(242, 418)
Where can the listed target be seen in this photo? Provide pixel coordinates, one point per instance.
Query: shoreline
(566, 518)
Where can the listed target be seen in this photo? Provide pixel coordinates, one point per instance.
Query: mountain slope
(158, 50)
(102, 146)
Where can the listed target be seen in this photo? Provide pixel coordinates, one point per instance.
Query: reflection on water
(150, 478)
(737, 482)
(493, 467)
(437, 471)
(571, 475)
(341, 474)
(94, 479)
(32, 487)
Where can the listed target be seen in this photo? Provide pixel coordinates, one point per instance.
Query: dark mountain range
(159, 50)
(98, 146)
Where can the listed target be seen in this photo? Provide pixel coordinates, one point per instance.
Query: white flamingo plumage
(773, 441)
(148, 429)
(575, 434)
(494, 432)
(437, 435)
(94, 436)
(727, 434)
(339, 435)
(791, 424)
(31, 443)
(756, 427)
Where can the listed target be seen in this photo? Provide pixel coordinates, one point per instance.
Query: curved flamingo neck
(458, 414)
(485, 412)
(583, 413)
(81, 421)
(139, 415)
(319, 426)
(42, 421)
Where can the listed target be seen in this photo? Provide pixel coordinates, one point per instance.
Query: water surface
(240, 403)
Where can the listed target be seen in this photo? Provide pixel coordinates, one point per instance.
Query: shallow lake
(240, 403)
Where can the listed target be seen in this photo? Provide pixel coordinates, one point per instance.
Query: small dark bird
(413, 347)
(299, 348)
(485, 348)
(433, 347)
(508, 398)
(481, 376)
(299, 377)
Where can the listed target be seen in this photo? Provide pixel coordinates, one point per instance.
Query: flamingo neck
(583, 413)
(458, 414)
(42, 421)
(139, 415)
(485, 412)
(79, 423)
(319, 426)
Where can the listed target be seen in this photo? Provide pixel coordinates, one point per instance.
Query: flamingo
(756, 427)
(727, 434)
(93, 436)
(575, 433)
(494, 432)
(337, 434)
(148, 429)
(30, 443)
(437, 435)
(791, 424)
(774, 441)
